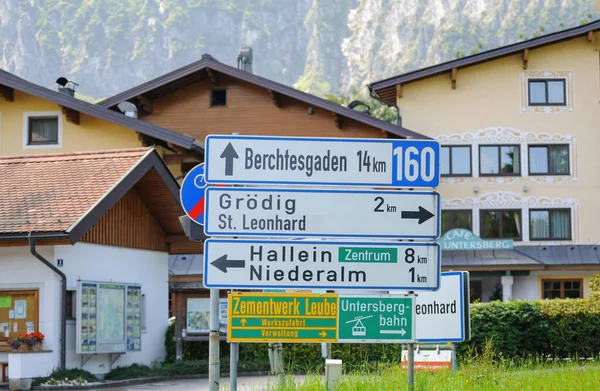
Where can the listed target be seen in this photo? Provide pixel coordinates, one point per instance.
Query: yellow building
(520, 133)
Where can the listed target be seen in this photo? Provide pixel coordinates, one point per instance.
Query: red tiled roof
(50, 193)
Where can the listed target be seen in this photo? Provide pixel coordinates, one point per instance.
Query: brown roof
(68, 193)
(199, 70)
(386, 89)
(148, 129)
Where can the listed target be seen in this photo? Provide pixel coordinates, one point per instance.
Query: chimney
(66, 87)
(244, 59)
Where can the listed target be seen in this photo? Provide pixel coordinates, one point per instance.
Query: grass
(485, 372)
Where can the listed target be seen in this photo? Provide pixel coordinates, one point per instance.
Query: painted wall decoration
(526, 75)
(507, 135)
(510, 200)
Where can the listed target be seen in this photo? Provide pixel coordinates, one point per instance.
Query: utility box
(333, 373)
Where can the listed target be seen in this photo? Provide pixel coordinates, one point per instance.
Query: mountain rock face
(320, 46)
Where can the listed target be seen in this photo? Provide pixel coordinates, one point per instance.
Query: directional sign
(270, 317)
(449, 306)
(321, 213)
(192, 193)
(376, 319)
(322, 161)
(259, 264)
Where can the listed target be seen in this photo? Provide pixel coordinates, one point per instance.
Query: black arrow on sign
(423, 215)
(222, 263)
(229, 154)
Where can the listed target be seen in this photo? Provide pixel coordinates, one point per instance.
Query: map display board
(198, 316)
(108, 317)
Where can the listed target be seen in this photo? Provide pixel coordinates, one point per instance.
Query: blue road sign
(192, 193)
(322, 161)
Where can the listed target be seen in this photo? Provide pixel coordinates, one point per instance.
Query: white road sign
(449, 306)
(322, 161)
(259, 264)
(239, 211)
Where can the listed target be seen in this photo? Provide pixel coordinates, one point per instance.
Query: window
(500, 224)
(455, 161)
(562, 289)
(550, 224)
(42, 129)
(548, 160)
(547, 92)
(218, 98)
(499, 160)
(456, 219)
(476, 290)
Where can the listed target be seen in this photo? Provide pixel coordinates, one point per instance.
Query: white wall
(528, 287)
(105, 263)
(20, 270)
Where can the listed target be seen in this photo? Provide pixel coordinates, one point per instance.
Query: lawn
(533, 376)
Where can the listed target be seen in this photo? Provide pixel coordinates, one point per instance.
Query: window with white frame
(500, 224)
(455, 160)
(42, 129)
(549, 159)
(550, 224)
(499, 160)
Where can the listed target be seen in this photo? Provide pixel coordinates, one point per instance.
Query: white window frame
(33, 114)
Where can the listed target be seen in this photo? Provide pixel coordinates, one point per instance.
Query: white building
(100, 219)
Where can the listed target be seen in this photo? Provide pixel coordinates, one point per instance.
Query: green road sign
(281, 317)
(374, 319)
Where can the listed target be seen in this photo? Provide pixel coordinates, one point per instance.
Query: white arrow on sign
(324, 161)
(259, 264)
(321, 212)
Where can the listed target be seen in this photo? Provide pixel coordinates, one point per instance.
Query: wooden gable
(250, 110)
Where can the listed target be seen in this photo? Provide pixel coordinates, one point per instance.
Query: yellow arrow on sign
(243, 322)
(323, 334)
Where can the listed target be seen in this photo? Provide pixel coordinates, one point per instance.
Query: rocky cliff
(320, 46)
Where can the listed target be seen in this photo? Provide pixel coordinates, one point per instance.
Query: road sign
(276, 317)
(321, 213)
(259, 264)
(322, 161)
(449, 306)
(376, 319)
(192, 193)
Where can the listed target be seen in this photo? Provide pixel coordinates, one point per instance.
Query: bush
(560, 328)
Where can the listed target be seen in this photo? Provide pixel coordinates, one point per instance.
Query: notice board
(18, 313)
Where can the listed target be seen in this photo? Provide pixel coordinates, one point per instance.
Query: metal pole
(279, 361)
(214, 366)
(411, 359)
(411, 366)
(453, 358)
(233, 363)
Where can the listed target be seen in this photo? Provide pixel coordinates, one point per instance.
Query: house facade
(84, 255)
(519, 129)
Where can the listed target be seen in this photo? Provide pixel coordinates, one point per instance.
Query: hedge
(519, 328)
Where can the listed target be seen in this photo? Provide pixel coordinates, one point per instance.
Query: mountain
(320, 46)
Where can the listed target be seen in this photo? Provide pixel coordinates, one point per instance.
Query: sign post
(321, 213)
(259, 264)
(322, 161)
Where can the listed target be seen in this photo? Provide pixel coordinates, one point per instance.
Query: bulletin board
(19, 313)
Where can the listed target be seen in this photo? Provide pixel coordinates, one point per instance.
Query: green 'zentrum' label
(368, 254)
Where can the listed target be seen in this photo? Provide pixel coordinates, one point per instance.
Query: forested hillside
(323, 46)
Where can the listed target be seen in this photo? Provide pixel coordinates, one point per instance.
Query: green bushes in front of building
(516, 329)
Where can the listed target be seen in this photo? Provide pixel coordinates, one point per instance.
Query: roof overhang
(387, 89)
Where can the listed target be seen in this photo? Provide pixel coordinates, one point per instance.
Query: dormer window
(42, 129)
(218, 98)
